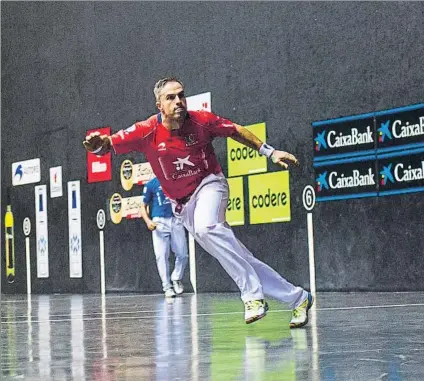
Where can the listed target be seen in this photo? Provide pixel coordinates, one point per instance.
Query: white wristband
(266, 150)
(97, 150)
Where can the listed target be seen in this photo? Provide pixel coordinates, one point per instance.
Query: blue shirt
(160, 205)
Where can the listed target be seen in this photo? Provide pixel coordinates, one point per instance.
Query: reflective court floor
(351, 336)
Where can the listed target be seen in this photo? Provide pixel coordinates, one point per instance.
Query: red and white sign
(199, 102)
(99, 168)
(56, 182)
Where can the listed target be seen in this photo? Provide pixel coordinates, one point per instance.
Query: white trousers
(169, 235)
(204, 217)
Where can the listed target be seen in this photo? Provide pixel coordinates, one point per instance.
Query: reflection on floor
(354, 336)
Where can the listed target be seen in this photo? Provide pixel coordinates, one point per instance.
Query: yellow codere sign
(269, 198)
(243, 160)
(235, 206)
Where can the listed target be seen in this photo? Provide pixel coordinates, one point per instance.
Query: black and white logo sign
(101, 219)
(27, 226)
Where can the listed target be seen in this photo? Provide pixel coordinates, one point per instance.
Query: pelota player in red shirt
(178, 145)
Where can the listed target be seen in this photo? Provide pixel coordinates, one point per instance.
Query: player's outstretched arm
(97, 144)
(282, 158)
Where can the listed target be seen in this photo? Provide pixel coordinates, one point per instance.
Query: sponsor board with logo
(74, 229)
(115, 208)
(124, 207)
(99, 168)
(56, 182)
(131, 207)
(400, 129)
(401, 174)
(235, 205)
(352, 178)
(344, 137)
(26, 172)
(243, 160)
(132, 174)
(41, 231)
(269, 197)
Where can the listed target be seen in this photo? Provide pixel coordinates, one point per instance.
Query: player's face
(172, 102)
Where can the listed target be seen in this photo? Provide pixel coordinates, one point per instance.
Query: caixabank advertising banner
(344, 137)
(400, 129)
(351, 178)
(347, 149)
(401, 173)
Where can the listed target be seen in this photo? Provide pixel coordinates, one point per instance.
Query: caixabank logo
(401, 174)
(346, 180)
(342, 136)
(400, 128)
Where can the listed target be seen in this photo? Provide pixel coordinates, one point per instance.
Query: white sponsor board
(26, 172)
(199, 102)
(74, 221)
(56, 189)
(41, 227)
(131, 207)
(143, 173)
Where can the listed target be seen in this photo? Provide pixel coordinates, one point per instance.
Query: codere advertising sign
(243, 160)
(235, 206)
(269, 197)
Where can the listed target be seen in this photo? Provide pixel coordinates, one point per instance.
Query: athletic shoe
(254, 310)
(300, 313)
(169, 293)
(178, 287)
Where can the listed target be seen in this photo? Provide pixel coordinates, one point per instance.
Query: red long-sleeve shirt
(181, 158)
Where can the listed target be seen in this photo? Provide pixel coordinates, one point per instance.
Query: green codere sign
(243, 160)
(235, 207)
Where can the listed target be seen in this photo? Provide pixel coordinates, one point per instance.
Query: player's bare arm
(282, 158)
(98, 144)
(144, 214)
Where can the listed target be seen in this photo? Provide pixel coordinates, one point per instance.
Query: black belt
(181, 202)
(184, 200)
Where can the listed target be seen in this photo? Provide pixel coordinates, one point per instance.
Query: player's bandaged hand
(96, 143)
(283, 159)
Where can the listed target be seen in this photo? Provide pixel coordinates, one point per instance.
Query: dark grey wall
(71, 66)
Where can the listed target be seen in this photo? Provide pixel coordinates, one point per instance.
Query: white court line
(87, 296)
(217, 313)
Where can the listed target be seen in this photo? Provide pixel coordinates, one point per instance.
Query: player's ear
(159, 105)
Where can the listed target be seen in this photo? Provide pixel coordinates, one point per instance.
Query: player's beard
(180, 115)
(176, 118)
